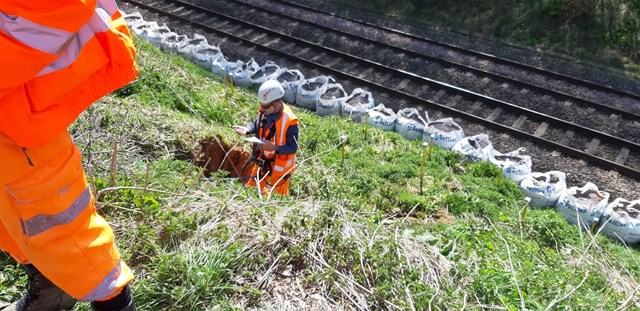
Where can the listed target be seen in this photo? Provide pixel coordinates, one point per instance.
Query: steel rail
(539, 70)
(557, 94)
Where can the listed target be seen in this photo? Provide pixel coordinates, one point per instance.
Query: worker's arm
(251, 127)
(34, 33)
(247, 129)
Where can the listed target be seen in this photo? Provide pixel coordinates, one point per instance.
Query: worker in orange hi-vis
(276, 130)
(58, 57)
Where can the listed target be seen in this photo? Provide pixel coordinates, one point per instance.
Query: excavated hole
(214, 155)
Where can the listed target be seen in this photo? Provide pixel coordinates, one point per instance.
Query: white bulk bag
(142, 29)
(309, 91)
(544, 188)
(219, 65)
(331, 99)
(289, 79)
(357, 104)
(241, 75)
(231, 67)
(382, 118)
(173, 42)
(192, 44)
(266, 72)
(582, 205)
(204, 55)
(134, 19)
(445, 132)
(409, 123)
(156, 36)
(514, 166)
(476, 148)
(621, 220)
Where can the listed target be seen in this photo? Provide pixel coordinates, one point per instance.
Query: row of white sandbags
(588, 206)
(196, 49)
(584, 206)
(320, 93)
(549, 189)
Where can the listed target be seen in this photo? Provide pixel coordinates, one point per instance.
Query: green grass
(356, 233)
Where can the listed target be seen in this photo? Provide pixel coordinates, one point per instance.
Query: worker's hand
(241, 130)
(268, 146)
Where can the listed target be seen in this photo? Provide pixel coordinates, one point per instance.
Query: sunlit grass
(357, 233)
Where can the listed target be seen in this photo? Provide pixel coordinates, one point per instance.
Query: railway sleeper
(542, 128)
(622, 156)
(593, 146)
(495, 114)
(519, 122)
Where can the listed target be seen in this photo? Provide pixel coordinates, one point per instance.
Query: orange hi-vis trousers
(48, 219)
(279, 185)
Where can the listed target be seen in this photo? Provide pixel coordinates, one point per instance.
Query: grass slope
(356, 233)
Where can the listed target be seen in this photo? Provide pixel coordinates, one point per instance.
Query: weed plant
(359, 232)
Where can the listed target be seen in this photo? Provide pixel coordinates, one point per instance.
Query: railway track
(574, 116)
(476, 58)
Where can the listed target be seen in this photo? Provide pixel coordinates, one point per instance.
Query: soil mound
(213, 155)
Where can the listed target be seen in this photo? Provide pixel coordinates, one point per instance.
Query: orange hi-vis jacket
(58, 57)
(283, 164)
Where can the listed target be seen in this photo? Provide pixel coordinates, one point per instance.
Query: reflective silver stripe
(283, 126)
(43, 38)
(38, 224)
(56, 41)
(280, 135)
(109, 284)
(279, 168)
(109, 6)
(99, 22)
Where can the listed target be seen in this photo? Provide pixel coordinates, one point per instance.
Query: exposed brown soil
(214, 155)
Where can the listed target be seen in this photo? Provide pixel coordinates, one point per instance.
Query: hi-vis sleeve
(34, 33)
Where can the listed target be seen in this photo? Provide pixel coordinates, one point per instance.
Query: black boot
(42, 295)
(122, 302)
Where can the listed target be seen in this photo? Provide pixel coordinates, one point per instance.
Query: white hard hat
(269, 91)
